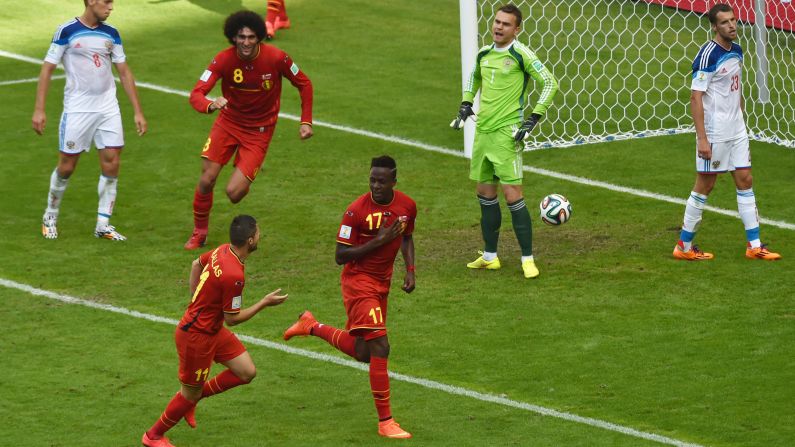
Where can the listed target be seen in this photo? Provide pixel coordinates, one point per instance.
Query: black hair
(385, 161)
(713, 12)
(510, 8)
(243, 227)
(244, 19)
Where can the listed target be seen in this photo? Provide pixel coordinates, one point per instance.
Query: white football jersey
(718, 72)
(87, 54)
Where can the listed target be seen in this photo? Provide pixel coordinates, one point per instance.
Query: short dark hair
(244, 19)
(713, 12)
(510, 8)
(243, 227)
(385, 161)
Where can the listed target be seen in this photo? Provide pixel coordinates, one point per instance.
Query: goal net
(624, 66)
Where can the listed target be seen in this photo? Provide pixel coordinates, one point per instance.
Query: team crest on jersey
(715, 164)
(508, 62)
(109, 45)
(267, 84)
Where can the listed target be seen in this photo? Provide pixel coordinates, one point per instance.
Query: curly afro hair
(243, 19)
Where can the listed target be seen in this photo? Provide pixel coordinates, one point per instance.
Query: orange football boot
(302, 327)
(162, 442)
(761, 253)
(694, 254)
(197, 240)
(391, 429)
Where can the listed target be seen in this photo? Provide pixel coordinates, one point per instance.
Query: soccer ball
(555, 209)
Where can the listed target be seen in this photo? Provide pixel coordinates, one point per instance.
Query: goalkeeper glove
(464, 112)
(527, 126)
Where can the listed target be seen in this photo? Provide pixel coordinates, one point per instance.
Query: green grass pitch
(614, 329)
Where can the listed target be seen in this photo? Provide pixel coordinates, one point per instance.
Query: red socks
(175, 411)
(379, 385)
(338, 338)
(202, 203)
(220, 383)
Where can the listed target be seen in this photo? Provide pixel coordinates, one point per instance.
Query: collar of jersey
(383, 204)
(505, 48)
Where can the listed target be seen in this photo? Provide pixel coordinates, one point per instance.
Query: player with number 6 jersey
(251, 84)
(216, 285)
(374, 227)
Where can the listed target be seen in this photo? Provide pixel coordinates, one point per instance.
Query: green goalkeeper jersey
(502, 75)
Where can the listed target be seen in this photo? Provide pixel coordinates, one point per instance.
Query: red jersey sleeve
(349, 230)
(290, 70)
(206, 82)
(204, 258)
(412, 216)
(232, 294)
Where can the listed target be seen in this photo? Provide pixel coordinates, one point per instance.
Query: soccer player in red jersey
(216, 284)
(374, 227)
(251, 82)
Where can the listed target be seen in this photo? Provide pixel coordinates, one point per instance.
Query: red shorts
(365, 300)
(249, 145)
(198, 350)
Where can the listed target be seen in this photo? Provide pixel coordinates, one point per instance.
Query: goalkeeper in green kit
(501, 73)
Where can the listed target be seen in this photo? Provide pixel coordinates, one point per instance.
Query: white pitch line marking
(426, 383)
(28, 80)
(456, 153)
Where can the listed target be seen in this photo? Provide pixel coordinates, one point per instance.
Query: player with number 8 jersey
(251, 75)
(216, 285)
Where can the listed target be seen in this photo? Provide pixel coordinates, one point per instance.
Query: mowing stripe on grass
(458, 153)
(431, 384)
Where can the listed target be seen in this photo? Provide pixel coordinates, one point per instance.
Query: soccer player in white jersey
(87, 46)
(722, 140)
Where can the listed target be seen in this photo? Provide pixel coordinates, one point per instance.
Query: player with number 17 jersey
(361, 222)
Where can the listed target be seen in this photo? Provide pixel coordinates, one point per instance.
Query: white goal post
(624, 66)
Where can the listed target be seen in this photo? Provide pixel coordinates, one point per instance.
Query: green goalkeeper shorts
(496, 157)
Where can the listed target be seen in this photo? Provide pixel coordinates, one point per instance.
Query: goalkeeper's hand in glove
(526, 127)
(464, 112)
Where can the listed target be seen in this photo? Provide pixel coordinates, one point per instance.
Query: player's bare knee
(247, 374)
(236, 195)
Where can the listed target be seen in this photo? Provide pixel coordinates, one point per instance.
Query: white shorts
(78, 129)
(726, 156)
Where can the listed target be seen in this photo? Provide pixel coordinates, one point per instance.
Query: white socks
(746, 205)
(106, 189)
(54, 196)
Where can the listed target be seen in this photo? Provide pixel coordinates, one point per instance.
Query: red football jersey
(253, 87)
(360, 224)
(220, 290)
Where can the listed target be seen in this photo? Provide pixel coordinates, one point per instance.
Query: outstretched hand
(274, 299)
